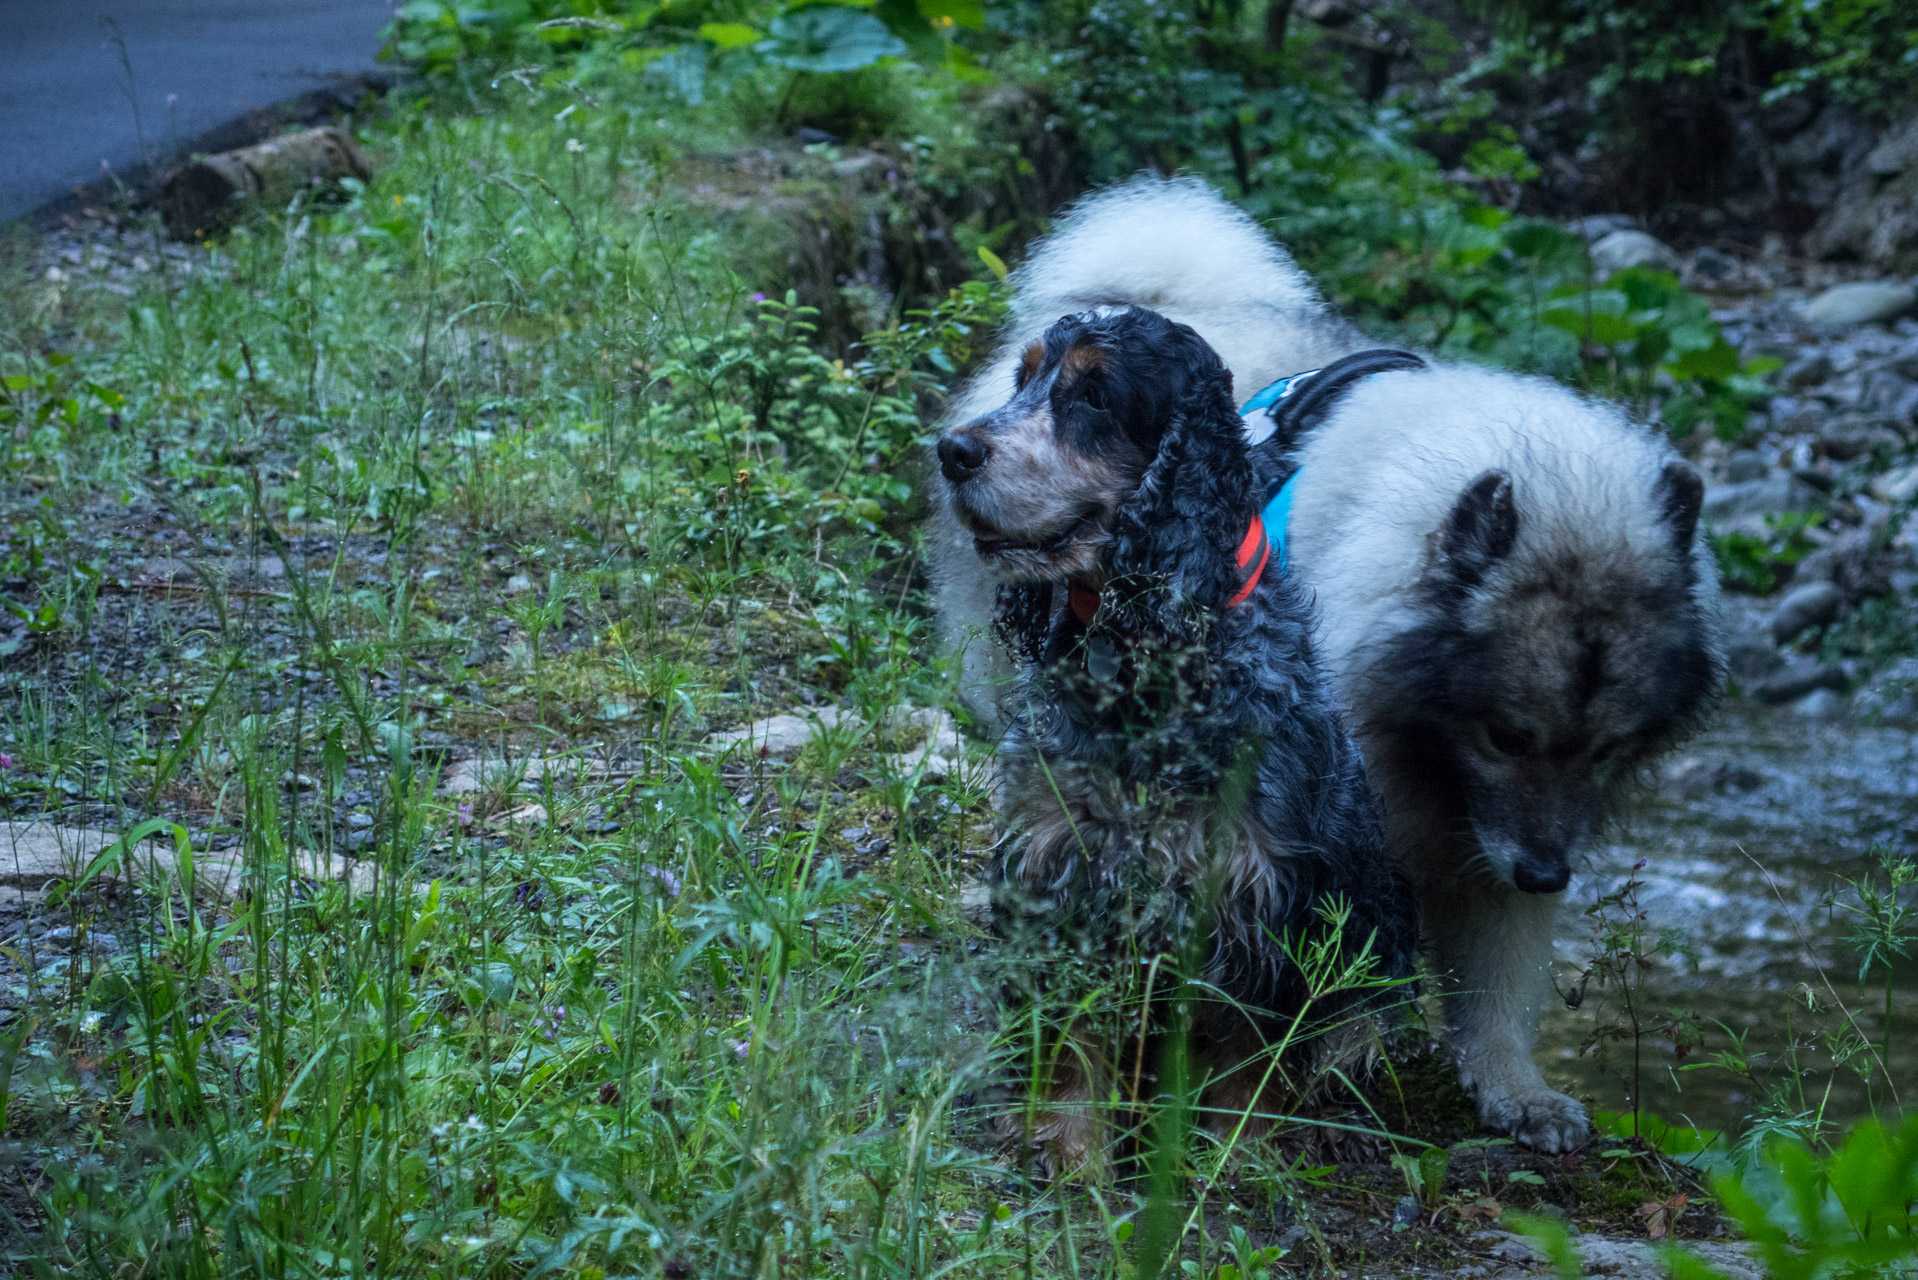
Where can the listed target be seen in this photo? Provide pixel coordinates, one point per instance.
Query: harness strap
(1288, 408)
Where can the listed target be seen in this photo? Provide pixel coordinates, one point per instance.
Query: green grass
(539, 475)
(502, 457)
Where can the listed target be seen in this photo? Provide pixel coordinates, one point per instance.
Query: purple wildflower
(667, 880)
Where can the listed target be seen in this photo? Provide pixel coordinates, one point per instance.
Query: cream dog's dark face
(1038, 481)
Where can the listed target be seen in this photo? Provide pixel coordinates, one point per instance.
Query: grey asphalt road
(67, 99)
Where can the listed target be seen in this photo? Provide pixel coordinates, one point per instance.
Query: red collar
(1255, 550)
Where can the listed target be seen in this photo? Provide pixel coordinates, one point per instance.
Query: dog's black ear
(1680, 495)
(1481, 530)
(1174, 542)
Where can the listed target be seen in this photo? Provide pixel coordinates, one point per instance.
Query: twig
(190, 588)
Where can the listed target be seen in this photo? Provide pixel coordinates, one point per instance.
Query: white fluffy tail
(1174, 245)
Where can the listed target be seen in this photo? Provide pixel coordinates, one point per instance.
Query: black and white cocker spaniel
(1177, 782)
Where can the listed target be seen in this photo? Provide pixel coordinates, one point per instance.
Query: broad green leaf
(728, 35)
(1605, 328)
(1720, 360)
(829, 38)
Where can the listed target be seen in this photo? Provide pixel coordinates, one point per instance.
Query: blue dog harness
(1260, 415)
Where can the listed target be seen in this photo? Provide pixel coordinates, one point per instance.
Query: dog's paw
(1543, 1119)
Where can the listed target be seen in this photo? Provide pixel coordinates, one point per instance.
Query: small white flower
(574, 144)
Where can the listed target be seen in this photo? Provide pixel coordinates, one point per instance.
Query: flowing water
(1756, 823)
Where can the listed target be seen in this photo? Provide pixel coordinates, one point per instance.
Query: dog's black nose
(1541, 877)
(961, 456)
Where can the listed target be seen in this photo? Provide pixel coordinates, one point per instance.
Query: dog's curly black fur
(1175, 748)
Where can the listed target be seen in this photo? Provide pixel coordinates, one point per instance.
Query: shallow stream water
(1753, 826)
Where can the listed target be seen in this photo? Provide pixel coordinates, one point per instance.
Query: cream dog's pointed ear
(1680, 495)
(1481, 531)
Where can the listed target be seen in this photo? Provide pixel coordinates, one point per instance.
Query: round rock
(1812, 605)
(1621, 249)
(1861, 302)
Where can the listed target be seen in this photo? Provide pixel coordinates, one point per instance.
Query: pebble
(1795, 679)
(1812, 367)
(1897, 486)
(1696, 775)
(781, 735)
(1891, 696)
(1625, 248)
(1812, 605)
(1820, 704)
(1751, 658)
(1597, 226)
(1860, 302)
(1745, 465)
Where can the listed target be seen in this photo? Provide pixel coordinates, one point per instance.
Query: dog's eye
(1507, 741)
(1094, 397)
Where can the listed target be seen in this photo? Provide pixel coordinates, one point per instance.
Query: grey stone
(1820, 704)
(1597, 226)
(466, 777)
(1812, 367)
(1696, 775)
(1836, 138)
(1728, 505)
(942, 754)
(1891, 696)
(1808, 415)
(1621, 249)
(975, 899)
(1848, 439)
(1861, 302)
(1853, 562)
(32, 854)
(781, 735)
(1889, 392)
(1905, 362)
(1798, 677)
(1812, 605)
(1745, 465)
(166, 569)
(1712, 268)
(1750, 659)
(1896, 152)
(1875, 214)
(1897, 487)
(1623, 1258)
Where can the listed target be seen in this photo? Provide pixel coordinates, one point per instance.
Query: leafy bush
(1865, 51)
(1851, 1213)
